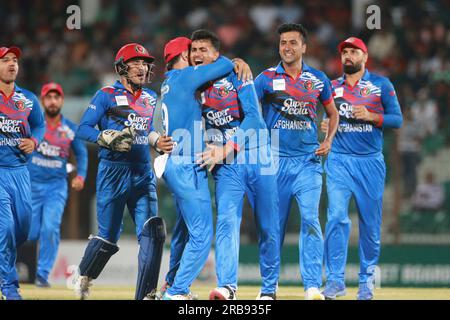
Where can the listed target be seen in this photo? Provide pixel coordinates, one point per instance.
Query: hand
(214, 155)
(117, 140)
(78, 183)
(324, 125)
(27, 145)
(324, 148)
(361, 113)
(165, 144)
(242, 70)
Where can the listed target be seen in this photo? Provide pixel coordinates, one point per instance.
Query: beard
(52, 113)
(352, 68)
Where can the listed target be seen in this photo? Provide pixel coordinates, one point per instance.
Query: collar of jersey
(280, 68)
(365, 77)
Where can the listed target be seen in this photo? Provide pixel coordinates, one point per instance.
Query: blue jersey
(20, 117)
(49, 160)
(377, 94)
(229, 105)
(116, 108)
(290, 106)
(182, 114)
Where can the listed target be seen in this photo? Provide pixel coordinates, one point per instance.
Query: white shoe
(82, 287)
(167, 296)
(313, 294)
(223, 293)
(266, 296)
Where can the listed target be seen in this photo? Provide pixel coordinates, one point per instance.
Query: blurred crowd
(412, 47)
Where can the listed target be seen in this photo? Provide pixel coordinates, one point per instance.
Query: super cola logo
(48, 150)
(346, 110)
(294, 107)
(219, 118)
(137, 122)
(9, 125)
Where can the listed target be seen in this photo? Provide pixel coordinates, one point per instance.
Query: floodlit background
(411, 48)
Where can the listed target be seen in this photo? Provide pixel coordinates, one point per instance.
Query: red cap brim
(4, 51)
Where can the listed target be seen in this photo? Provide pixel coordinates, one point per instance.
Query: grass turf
(244, 293)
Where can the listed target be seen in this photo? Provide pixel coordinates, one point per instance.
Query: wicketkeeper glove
(117, 140)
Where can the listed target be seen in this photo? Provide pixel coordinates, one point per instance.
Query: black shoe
(267, 296)
(41, 283)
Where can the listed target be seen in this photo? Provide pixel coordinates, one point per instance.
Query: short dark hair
(171, 63)
(287, 27)
(203, 34)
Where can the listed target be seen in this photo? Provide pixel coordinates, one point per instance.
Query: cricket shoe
(223, 293)
(266, 296)
(168, 296)
(11, 293)
(364, 292)
(334, 289)
(41, 283)
(162, 291)
(159, 295)
(313, 294)
(82, 287)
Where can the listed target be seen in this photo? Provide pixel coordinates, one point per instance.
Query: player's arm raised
(195, 77)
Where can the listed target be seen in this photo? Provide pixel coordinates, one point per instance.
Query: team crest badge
(365, 92)
(20, 105)
(308, 85)
(140, 49)
(223, 91)
(146, 102)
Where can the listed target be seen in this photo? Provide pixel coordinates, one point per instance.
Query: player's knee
(310, 218)
(337, 216)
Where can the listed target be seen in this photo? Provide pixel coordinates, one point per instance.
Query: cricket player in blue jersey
(182, 117)
(21, 129)
(367, 104)
(49, 178)
(123, 113)
(230, 108)
(289, 95)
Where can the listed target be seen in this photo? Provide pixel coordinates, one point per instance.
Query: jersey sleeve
(326, 95)
(81, 154)
(260, 83)
(249, 104)
(36, 122)
(392, 117)
(195, 77)
(92, 116)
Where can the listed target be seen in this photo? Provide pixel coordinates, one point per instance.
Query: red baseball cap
(52, 86)
(6, 50)
(133, 50)
(176, 46)
(353, 42)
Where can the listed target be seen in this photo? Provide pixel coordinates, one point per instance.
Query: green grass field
(245, 292)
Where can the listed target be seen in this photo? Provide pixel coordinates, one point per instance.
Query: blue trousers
(48, 202)
(180, 237)
(15, 218)
(233, 181)
(301, 178)
(363, 178)
(120, 184)
(189, 186)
